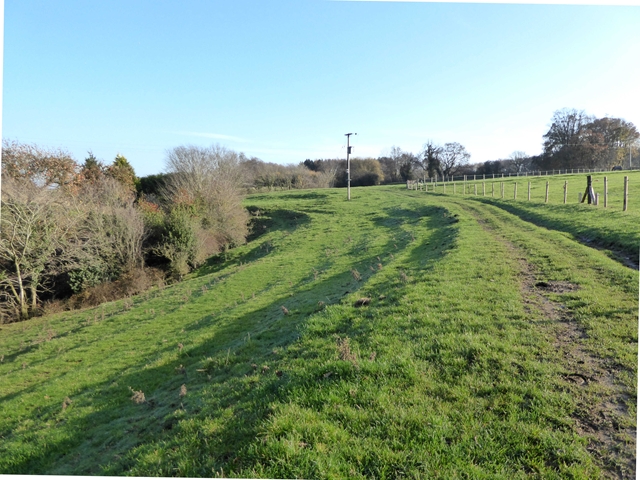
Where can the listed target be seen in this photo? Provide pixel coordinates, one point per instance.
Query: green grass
(447, 373)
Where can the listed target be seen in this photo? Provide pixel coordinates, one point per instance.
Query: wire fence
(611, 192)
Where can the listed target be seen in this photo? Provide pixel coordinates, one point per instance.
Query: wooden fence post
(529, 192)
(475, 188)
(565, 191)
(502, 189)
(492, 189)
(515, 190)
(483, 189)
(546, 193)
(605, 192)
(626, 194)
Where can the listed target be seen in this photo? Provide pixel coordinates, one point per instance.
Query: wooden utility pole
(348, 135)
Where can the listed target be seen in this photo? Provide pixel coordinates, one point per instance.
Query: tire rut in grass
(586, 376)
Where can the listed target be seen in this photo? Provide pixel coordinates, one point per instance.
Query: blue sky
(284, 80)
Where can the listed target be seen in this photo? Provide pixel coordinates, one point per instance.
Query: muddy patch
(556, 287)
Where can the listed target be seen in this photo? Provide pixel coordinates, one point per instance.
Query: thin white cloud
(529, 2)
(215, 136)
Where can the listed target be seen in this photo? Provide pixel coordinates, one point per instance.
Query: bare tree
(520, 161)
(453, 157)
(36, 229)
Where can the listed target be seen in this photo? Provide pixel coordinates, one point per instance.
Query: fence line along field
(401, 334)
(576, 184)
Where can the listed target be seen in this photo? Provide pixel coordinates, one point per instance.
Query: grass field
(403, 333)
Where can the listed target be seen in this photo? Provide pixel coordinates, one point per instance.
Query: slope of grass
(262, 365)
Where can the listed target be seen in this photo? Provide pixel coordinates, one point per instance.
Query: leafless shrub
(138, 396)
(211, 178)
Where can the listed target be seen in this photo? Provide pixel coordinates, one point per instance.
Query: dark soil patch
(556, 287)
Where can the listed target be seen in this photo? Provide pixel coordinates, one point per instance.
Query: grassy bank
(398, 334)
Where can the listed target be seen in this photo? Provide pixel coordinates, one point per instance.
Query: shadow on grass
(217, 424)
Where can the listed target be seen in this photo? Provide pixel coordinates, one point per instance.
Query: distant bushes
(364, 172)
(259, 175)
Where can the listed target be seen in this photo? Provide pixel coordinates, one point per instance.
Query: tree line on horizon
(574, 140)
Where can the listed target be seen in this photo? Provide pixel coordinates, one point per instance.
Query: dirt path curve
(585, 374)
